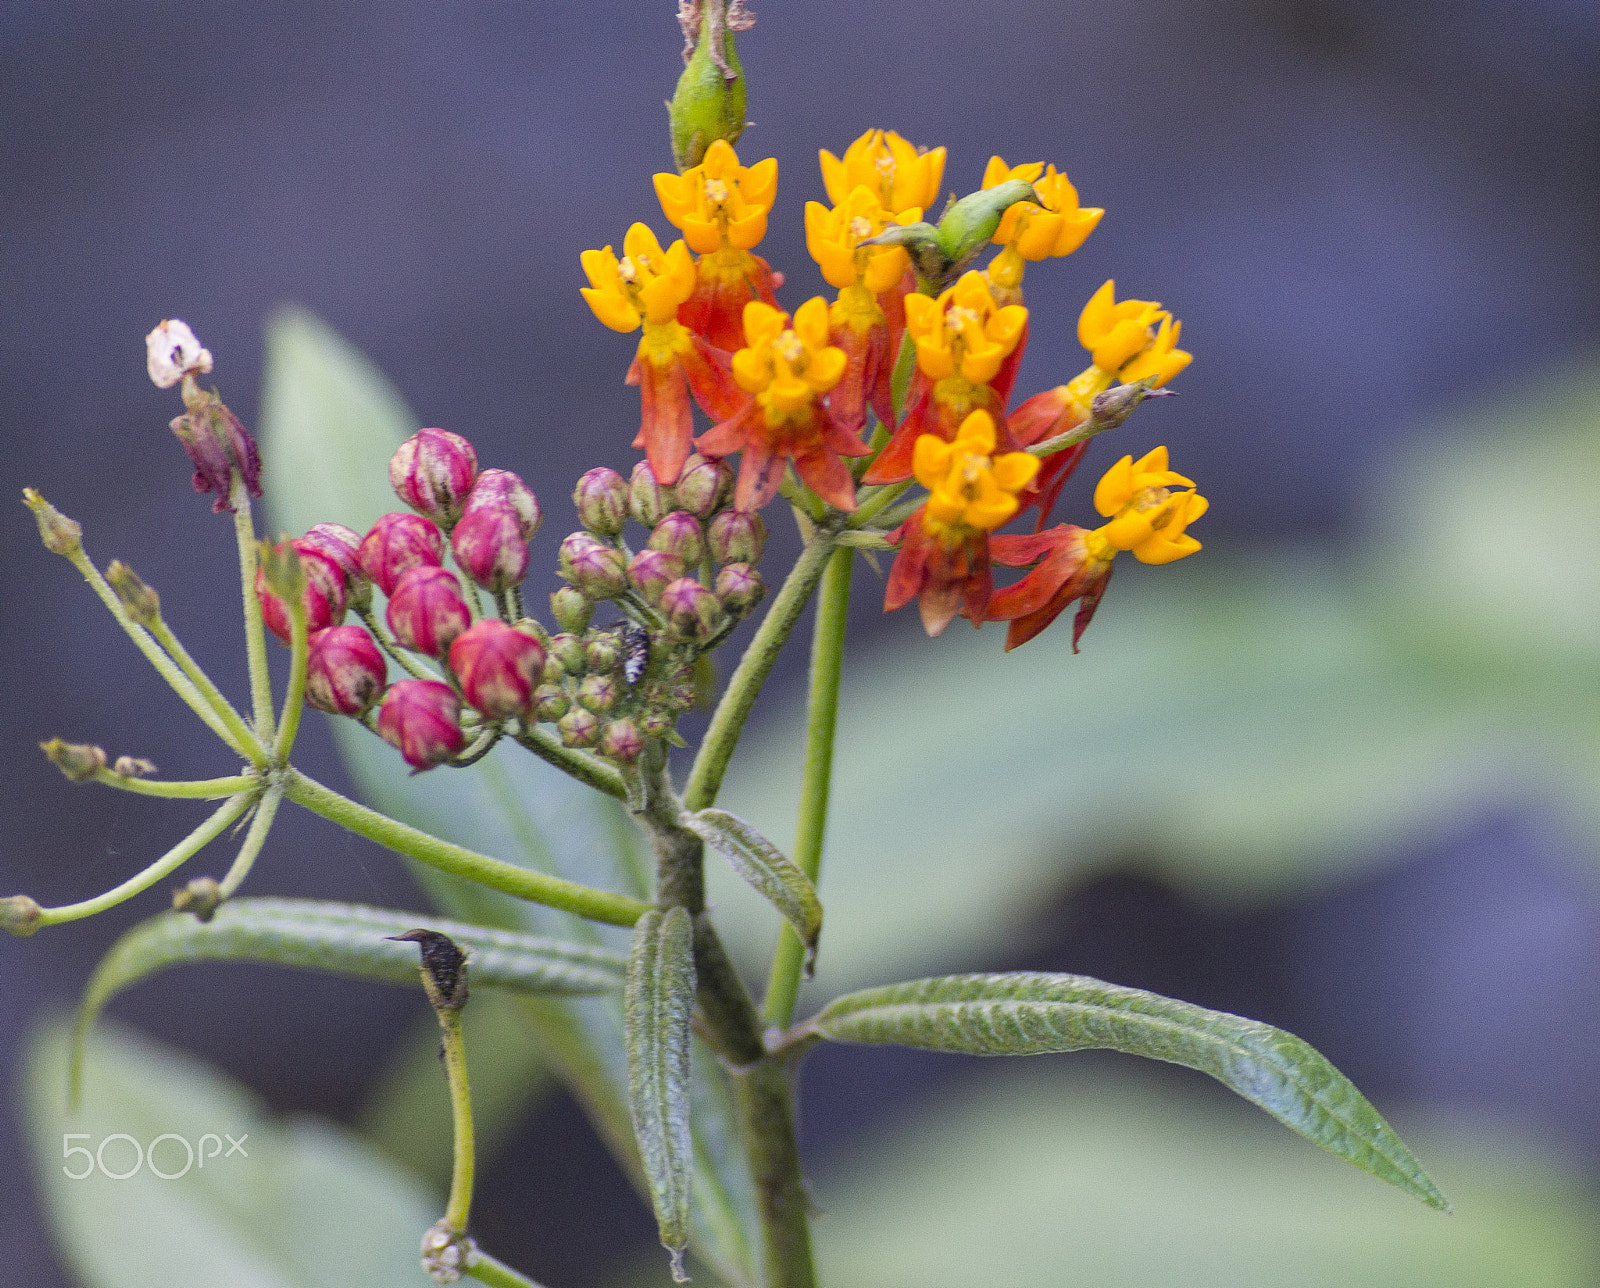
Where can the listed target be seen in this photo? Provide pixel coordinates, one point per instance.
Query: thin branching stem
(254, 839)
(202, 789)
(255, 636)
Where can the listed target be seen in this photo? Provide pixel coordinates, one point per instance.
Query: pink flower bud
(737, 537)
(345, 671)
(571, 608)
(602, 501)
(702, 486)
(218, 444)
(649, 571)
(505, 488)
(489, 545)
(621, 742)
(645, 500)
(343, 546)
(498, 667)
(579, 728)
(323, 599)
(396, 544)
(679, 533)
(426, 611)
(598, 570)
(421, 718)
(692, 611)
(432, 472)
(598, 693)
(740, 588)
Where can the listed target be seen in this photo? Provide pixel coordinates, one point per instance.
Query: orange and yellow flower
(1054, 225)
(899, 175)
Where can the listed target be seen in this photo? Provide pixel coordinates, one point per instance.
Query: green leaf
(305, 1205)
(767, 869)
(1028, 1013)
(659, 1004)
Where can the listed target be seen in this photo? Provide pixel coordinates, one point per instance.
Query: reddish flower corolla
(421, 719)
(498, 666)
(432, 472)
(787, 371)
(489, 545)
(721, 207)
(426, 611)
(944, 546)
(1069, 563)
(645, 289)
(396, 544)
(345, 671)
(323, 599)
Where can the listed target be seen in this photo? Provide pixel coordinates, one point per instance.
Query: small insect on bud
(432, 472)
(598, 693)
(703, 486)
(737, 537)
(421, 719)
(345, 671)
(598, 570)
(444, 968)
(635, 653)
(77, 760)
(61, 535)
(426, 611)
(679, 533)
(322, 593)
(580, 727)
(489, 545)
(550, 701)
(645, 500)
(601, 498)
(396, 544)
(568, 650)
(649, 571)
(740, 588)
(571, 608)
(692, 611)
(621, 742)
(498, 667)
(142, 603)
(133, 767)
(202, 896)
(19, 915)
(343, 546)
(502, 487)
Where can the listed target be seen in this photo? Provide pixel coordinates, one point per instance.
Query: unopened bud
(77, 760)
(568, 650)
(601, 498)
(601, 654)
(396, 544)
(598, 570)
(202, 896)
(740, 588)
(421, 719)
(502, 487)
(133, 767)
(703, 486)
(432, 472)
(571, 608)
(426, 611)
(142, 603)
(968, 225)
(621, 742)
(737, 537)
(61, 535)
(489, 545)
(709, 102)
(172, 352)
(498, 667)
(580, 727)
(19, 915)
(679, 533)
(550, 701)
(655, 723)
(1116, 404)
(345, 671)
(598, 693)
(692, 611)
(343, 546)
(649, 571)
(321, 588)
(645, 500)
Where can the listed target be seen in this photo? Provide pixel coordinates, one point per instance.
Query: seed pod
(498, 667)
(345, 671)
(489, 545)
(432, 472)
(426, 611)
(396, 544)
(601, 498)
(737, 537)
(679, 533)
(421, 718)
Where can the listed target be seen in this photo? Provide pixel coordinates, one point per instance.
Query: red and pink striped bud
(489, 545)
(502, 487)
(499, 668)
(740, 588)
(621, 742)
(679, 533)
(601, 498)
(398, 543)
(737, 537)
(649, 571)
(421, 719)
(432, 472)
(703, 486)
(646, 499)
(426, 611)
(598, 570)
(692, 611)
(345, 671)
(343, 546)
(579, 728)
(323, 595)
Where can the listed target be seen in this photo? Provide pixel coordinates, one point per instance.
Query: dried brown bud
(61, 535)
(202, 896)
(77, 760)
(444, 968)
(133, 767)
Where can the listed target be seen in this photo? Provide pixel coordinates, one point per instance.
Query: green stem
(459, 1205)
(169, 862)
(203, 789)
(875, 504)
(255, 638)
(243, 735)
(705, 779)
(394, 650)
(536, 887)
(486, 1269)
(254, 839)
(900, 513)
(1108, 417)
(827, 664)
(579, 764)
(765, 1105)
(294, 699)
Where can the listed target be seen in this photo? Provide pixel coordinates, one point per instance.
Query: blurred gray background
(1367, 216)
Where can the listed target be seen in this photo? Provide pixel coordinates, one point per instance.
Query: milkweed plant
(884, 420)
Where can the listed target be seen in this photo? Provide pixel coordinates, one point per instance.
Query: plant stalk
(255, 638)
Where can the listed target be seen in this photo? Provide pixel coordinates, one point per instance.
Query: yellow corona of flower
(645, 286)
(787, 368)
(901, 177)
(1055, 225)
(720, 203)
(1162, 360)
(1119, 334)
(964, 330)
(834, 237)
(1147, 517)
(969, 486)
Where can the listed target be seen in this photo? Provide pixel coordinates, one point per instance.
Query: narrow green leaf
(768, 869)
(1028, 1013)
(659, 1001)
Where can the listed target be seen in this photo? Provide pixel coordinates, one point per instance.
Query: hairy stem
(486, 1269)
(254, 839)
(765, 1105)
(255, 638)
(244, 739)
(294, 698)
(459, 1205)
(569, 760)
(203, 789)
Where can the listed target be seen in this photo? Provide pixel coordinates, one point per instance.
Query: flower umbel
(901, 176)
(1055, 225)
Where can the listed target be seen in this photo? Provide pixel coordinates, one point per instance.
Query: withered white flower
(173, 351)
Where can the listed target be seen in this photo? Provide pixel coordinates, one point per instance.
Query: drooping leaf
(659, 1003)
(766, 868)
(1029, 1013)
